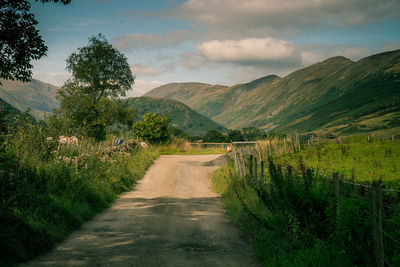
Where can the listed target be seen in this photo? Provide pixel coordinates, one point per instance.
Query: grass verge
(277, 239)
(44, 199)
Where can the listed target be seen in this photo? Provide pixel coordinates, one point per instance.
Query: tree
(89, 101)
(214, 136)
(177, 132)
(20, 42)
(253, 133)
(235, 135)
(100, 70)
(153, 128)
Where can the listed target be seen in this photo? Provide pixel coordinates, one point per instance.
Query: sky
(215, 41)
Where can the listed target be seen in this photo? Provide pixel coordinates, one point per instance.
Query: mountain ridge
(306, 100)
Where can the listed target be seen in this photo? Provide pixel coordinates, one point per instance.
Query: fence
(375, 208)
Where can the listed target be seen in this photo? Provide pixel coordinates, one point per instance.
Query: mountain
(40, 97)
(335, 96)
(181, 115)
(7, 113)
(8, 109)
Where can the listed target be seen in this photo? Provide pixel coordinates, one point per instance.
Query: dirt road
(171, 218)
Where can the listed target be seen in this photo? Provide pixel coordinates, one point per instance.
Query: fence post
(262, 173)
(255, 170)
(336, 191)
(377, 223)
(251, 166)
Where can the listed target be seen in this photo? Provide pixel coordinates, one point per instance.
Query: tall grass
(297, 216)
(47, 190)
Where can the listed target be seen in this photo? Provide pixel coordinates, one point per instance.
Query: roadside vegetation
(304, 212)
(49, 190)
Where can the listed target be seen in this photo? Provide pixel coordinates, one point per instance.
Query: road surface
(171, 218)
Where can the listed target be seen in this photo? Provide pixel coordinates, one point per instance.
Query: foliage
(296, 220)
(235, 136)
(153, 128)
(296, 213)
(20, 42)
(89, 101)
(214, 136)
(179, 133)
(48, 191)
(253, 133)
(99, 70)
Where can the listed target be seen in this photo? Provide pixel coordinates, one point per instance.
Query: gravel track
(171, 218)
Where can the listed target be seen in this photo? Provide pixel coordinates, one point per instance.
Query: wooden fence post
(377, 223)
(251, 166)
(255, 170)
(262, 173)
(336, 191)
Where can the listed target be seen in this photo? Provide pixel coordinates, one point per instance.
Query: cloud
(134, 41)
(257, 18)
(139, 69)
(141, 87)
(57, 79)
(252, 51)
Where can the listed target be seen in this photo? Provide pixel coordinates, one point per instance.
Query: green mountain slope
(8, 109)
(334, 96)
(37, 95)
(7, 113)
(181, 115)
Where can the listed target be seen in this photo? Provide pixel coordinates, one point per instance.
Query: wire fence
(380, 205)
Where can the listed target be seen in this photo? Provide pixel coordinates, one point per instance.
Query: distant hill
(336, 96)
(181, 115)
(37, 95)
(7, 111)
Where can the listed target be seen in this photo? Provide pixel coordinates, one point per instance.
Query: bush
(45, 195)
(153, 128)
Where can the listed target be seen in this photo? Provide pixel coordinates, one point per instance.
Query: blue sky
(216, 41)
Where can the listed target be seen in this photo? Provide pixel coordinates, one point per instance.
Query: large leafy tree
(89, 101)
(20, 41)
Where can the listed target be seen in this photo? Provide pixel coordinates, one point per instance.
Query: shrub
(153, 128)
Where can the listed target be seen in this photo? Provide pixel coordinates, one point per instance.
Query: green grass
(297, 217)
(281, 243)
(354, 158)
(47, 195)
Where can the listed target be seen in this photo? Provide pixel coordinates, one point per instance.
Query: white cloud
(251, 51)
(139, 70)
(141, 87)
(57, 79)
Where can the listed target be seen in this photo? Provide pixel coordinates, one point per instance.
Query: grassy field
(355, 158)
(299, 216)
